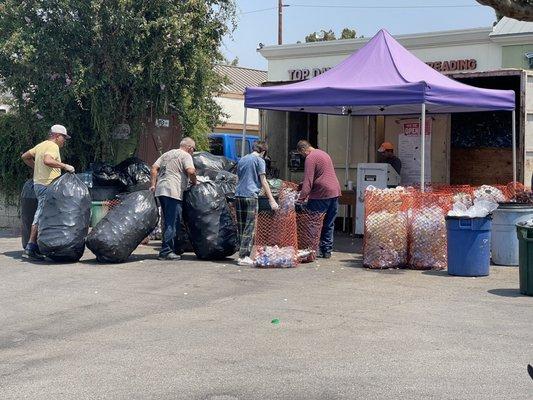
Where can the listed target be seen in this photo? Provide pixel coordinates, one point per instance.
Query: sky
(299, 19)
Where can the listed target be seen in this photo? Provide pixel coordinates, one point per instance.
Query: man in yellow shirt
(46, 163)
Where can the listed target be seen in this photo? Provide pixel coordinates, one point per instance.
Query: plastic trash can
(504, 242)
(525, 256)
(98, 210)
(468, 245)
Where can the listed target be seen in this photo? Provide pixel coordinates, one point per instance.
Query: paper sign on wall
(409, 151)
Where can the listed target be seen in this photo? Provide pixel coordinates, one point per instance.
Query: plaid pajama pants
(246, 209)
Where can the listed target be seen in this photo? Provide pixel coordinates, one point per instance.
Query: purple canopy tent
(382, 78)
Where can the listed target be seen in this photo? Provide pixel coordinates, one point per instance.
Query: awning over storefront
(382, 78)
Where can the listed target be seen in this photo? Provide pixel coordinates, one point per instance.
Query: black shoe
(32, 255)
(169, 257)
(326, 255)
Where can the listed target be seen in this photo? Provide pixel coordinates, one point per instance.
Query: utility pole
(280, 21)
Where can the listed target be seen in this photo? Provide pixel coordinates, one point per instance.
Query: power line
(387, 7)
(365, 7)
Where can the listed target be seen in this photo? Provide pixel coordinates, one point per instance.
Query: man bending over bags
(170, 176)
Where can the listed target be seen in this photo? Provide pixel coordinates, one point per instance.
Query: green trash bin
(98, 211)
(525, 258)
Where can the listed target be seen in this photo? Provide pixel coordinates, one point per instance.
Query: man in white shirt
(170, 176)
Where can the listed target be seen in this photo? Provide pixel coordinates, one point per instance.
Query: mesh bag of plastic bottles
(427, 230)
(386, 228)
(274, 257)
(309, 228)
(64, 222)
(490, 193)
(124, 227)
(278, 229)
(28, 206)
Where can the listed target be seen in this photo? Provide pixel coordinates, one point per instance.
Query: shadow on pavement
(134, 258)
(506, 292)
(433, 272)
(16, 255)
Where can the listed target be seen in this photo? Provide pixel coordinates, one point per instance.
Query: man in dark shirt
(321, 189)
(387, 154)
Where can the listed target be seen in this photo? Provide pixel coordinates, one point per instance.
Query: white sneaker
(245, 261)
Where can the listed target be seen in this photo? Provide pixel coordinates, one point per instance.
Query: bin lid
(464, 217)
(513, 205)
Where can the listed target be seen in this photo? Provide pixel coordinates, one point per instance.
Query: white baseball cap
(59, 129)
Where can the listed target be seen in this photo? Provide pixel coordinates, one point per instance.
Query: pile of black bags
(28, 206)
(130, 175)
(207, 164)
(134, 174)
(64, 222)
(124, 227)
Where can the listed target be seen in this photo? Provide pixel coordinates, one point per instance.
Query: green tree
(348, 33)
(322, 36)
(92, 65)
(517, 9)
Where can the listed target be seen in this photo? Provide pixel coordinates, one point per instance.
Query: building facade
(231, 100)
(466, 148)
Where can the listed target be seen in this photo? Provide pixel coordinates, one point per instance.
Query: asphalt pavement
(148, 329)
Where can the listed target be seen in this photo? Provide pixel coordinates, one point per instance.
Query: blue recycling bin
(468, 245)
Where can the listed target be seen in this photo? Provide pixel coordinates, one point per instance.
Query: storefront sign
(454, 65)
(305, 73)
(409, 151)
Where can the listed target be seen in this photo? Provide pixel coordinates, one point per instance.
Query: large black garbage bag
(182, 242)
(212, 231)
(227, 182)
(124, 227)
(134, 174)
(64, 223)
(28, 206)
(206, 161)
(105, 175)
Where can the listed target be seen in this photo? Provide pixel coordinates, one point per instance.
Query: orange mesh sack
(386, 228)
(276, 230)
(309, 228)
(427, 231)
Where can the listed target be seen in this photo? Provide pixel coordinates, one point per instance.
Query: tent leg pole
(513, 122)
(243, 144)
(347, 166)
(423, 149)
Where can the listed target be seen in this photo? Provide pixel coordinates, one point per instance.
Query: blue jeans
(171, 209)
(40, 193)
(330, 207)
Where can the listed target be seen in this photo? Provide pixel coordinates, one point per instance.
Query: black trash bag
(182, 242)
(206, 161)
(105, 175)
(227, 182)
(64, 222)
(28, 206)
(124, 227)
(134, 174)
(212, 230)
